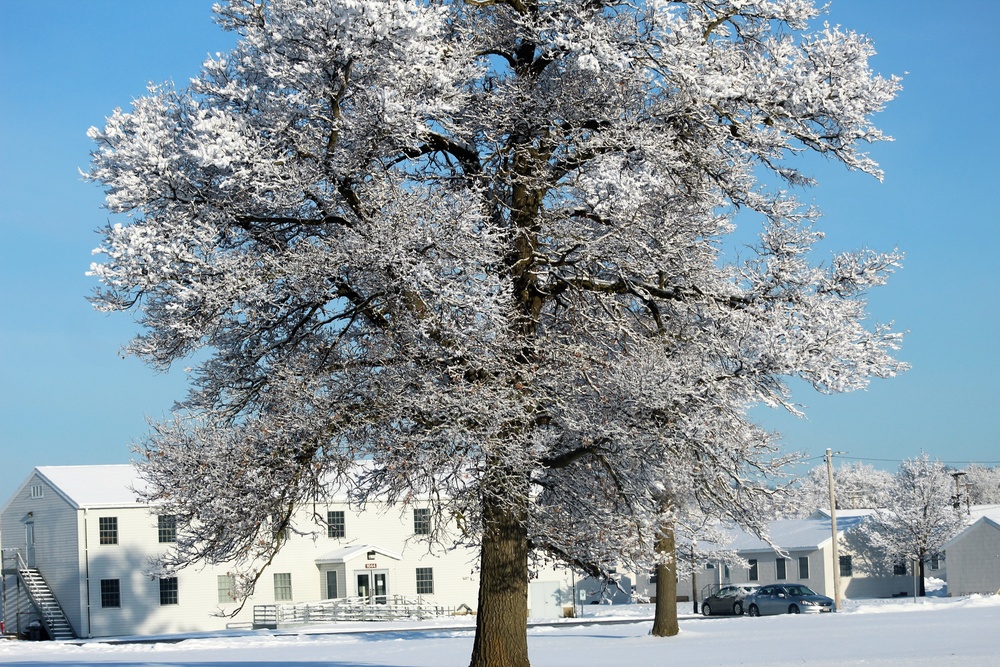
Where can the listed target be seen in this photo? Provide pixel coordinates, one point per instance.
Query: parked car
(727, 600)
(786, 598)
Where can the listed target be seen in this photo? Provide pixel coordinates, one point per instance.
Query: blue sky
(68, 397)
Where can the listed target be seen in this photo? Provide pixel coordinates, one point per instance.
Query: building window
(282, 586)
(846, 566)
(752, 574)
(726, 574)
(108, 529)
(335, 524)
(37, 491)
(227, 588)
(425, 581)
(779, 568)
(899, 567)
(166, 528)
(803, 567)
(168, 591)
(422, 521)
(111, 594)
(331, 584)
(935, 562)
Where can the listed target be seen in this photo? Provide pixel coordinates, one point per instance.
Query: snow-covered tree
(980, 485)
(857, 486)
(919, 516)
(477, 244)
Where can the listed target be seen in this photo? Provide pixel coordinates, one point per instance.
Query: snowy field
(933, 631)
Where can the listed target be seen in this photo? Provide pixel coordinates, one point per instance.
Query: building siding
(57, 553)
(974, 560)
(71, 557)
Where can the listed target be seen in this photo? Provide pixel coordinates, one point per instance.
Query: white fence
(385, 608)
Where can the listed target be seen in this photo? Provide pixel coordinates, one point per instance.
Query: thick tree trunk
(502, 618)
(665, 618)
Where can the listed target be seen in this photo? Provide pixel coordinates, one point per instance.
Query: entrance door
(29, 543)
(374, 586)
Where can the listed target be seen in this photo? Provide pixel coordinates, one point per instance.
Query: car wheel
(706, 610)
(754, 611)
(793, 609)
(738, 608)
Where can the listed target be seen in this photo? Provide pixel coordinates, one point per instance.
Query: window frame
(803, 571)
(166, 528)
(753, 572)
(781, 569)
(846, 565)
(107, 530)
(169, 591)
(336, 524)
(284, 587)
(422, 521)
(111, 594)
(226, 585)
(425, 580)
(37, 491)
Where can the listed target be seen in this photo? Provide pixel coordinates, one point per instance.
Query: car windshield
(799, 590)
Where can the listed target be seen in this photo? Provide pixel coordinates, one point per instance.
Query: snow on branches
(478, 244)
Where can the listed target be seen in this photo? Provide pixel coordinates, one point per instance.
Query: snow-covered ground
(931, 631)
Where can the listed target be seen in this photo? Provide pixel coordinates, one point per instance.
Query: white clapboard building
(77, 546)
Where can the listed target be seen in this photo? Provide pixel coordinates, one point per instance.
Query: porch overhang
(348, 554)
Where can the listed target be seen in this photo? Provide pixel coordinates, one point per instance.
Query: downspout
(86, 568)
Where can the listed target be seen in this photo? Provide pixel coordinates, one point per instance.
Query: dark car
(727, 600)
(786, 599)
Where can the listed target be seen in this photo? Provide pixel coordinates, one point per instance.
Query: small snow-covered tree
(477, 244)
(919, 517)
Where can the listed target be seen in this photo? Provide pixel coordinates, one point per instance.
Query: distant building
(75, 539)
(974, 555)
(802, 553)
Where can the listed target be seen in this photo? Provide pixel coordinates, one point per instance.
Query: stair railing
(46, 612)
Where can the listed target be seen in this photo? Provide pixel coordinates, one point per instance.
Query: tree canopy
(921, 514)
(478, 244)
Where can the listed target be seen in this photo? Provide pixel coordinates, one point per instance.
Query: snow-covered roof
(843, 514)
(979, 511)
(95, 485)
(985, 520)
(112, 485)
(792, 534)
(345, 554)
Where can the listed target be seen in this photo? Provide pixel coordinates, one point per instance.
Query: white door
(545, 599)
(373, 585)
(29, 543)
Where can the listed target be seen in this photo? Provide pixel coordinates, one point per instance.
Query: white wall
(390, 529)
(57, 552)
(974, 561)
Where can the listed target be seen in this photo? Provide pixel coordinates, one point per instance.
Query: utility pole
(958, 492)
(694, 576)
(833, 531)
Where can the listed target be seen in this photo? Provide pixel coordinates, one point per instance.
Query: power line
(964, 462)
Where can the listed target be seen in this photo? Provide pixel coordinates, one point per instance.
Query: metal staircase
(52, 616)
